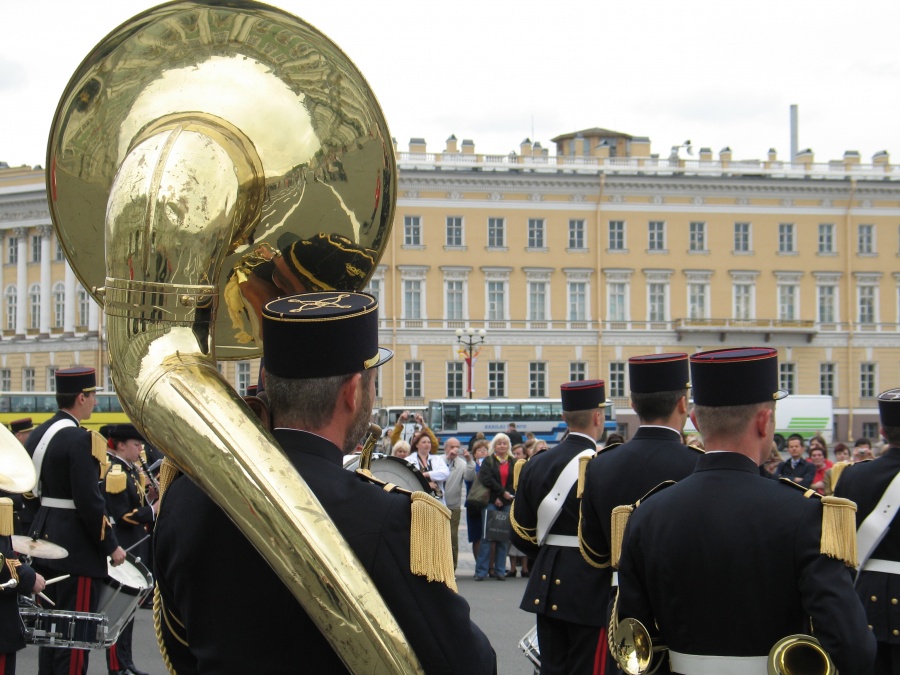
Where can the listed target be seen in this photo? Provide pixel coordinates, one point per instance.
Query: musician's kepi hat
(21, 426)
(583, 395)
(123, 432)
(889, 407)
(659, 372)
(741, 376)
(322, 334)
(78, 380)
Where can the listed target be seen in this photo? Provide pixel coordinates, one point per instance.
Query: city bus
(41, 406)
(462, 417)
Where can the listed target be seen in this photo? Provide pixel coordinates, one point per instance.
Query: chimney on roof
(451, 145)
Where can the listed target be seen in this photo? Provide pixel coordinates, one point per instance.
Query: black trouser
(571, 648)
(80, 594)
(887, 659)
(8, 664)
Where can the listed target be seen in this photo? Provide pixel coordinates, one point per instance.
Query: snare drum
(59, 628)
(122, 592)
(401, 473)
(529, 645)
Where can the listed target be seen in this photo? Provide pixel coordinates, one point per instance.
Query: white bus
(462, 418)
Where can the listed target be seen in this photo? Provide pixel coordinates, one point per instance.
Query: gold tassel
(98, 450)
(839, 530)
(582, 471)
(836, 472)
(116, 480)
(167, 473)
(517, 469)
(429, 541)
(620, 516)
(6, 517)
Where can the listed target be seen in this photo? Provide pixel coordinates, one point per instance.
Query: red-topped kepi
(740, 376)
(889, 407)
(77, 380)
(653, 373)
(583, 395)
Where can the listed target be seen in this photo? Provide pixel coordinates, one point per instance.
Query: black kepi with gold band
(21, 426)
(77, 380)
(654, 373)
(583, 395)
(323, 334)
(889, 407)
(741, 376)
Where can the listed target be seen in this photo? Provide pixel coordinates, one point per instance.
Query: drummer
(132, 514)
(72, 510)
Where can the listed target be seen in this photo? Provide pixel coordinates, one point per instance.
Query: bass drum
(394, 470)
(529, 645)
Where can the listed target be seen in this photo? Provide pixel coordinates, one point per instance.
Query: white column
(44, 232)
(21, 281)
(71, 301)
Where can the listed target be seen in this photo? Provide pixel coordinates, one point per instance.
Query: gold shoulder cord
(429, 543)
(526, 533)
(838, 525)
(591, 557)
(168, 472)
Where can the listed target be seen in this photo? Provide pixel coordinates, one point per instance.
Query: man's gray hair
(306, 403)
(728, 420)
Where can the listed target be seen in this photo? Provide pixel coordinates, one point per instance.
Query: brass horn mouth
(799, 655)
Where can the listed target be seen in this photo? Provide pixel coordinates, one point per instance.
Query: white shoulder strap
(38, 457)
(876, 524)
(553, 503)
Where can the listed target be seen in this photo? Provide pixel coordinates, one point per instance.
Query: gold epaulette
(517, 470)
(836, 470)
(529, 534)
(619, 520)
(839, 530)
(369, 477)
(116, 480)
(608, 447)
(98, 450)
(430, 554)
(582, 472)
(807, 492)
(168, 472)
(6, 517)
(697, 448)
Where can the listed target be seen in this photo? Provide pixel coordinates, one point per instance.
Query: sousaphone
(205, 158)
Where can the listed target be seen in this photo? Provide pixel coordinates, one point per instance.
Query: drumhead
(398, 471)
(130, 573)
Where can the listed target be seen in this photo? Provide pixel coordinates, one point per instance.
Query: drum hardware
(799, 655)
(126, 587)
(59, 628)
(529, 645)
(38, 548)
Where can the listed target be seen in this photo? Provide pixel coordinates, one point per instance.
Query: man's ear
(351, 393)
(762, 420)
(683, 405)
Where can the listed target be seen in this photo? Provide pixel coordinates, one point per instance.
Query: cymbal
(16, 468)
(37, 548)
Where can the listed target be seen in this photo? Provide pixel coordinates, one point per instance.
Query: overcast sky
(498, 71)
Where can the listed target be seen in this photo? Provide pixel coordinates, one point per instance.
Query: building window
(496, 379)
(786, 243)
(698, 293)
(697, 241)
(827, 304)
(577, 371)
(36, 248)
(617, 379)
(576, 234)
(743, 301)
(826, 237)
(5, 379)
(412, 381)
(871, 430)
(455, 301)
(60, 256)
(59, 304)
(866, 240)
(535, 233)
(787, 377)
(454, 231)
(84, 306)
(12, 251)
(496, 232)
(412, 299)
(617, 235)
(826, 379)
(742, 237)
(656, 301)
(28, 379)
(374, 289)
(577, 301)
(412, 230)
(496, 295)
(617, 305)
(656, 236)
(242, 377)
(537, 379)
(11, 306)
(867, 380)
(537, 301)
(34, 300)
(51, 378)
(787, 302)
(455, 387)
(867, 304)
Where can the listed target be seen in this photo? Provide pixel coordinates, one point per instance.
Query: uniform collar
(730, 461)
(585, 437)
(308, 443)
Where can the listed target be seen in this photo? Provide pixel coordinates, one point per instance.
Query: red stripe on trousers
(2, 663)
(114, 659)
(600, 654)
(82, 604)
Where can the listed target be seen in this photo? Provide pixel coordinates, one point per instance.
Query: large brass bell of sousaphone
(207, 157)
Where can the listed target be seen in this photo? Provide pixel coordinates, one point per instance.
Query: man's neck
(72, 413)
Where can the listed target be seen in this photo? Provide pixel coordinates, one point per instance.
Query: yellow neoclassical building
(571, 259)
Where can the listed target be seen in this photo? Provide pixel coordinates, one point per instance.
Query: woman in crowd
(400, 449)
(423, 456)
(817, 457)
(516, 557)
(478, 449)
(497, 475)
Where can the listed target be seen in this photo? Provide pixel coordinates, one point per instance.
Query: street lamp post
(469, 341)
